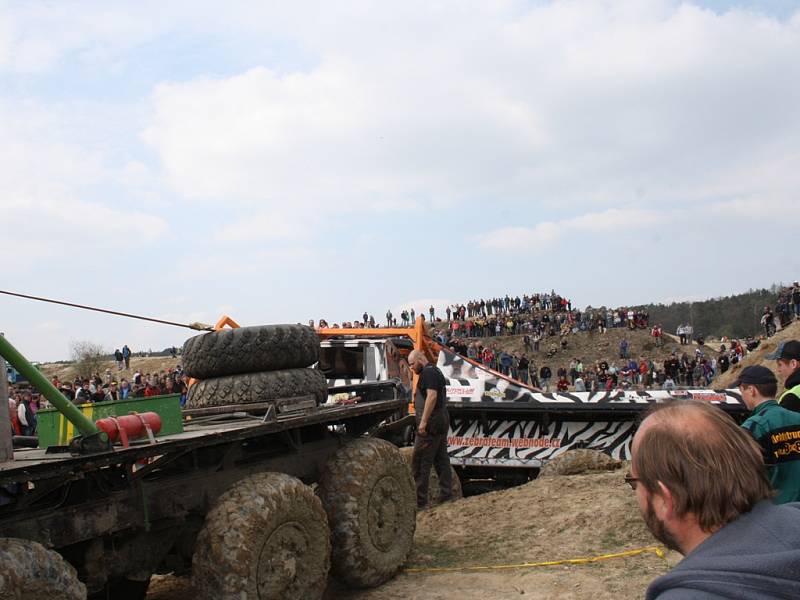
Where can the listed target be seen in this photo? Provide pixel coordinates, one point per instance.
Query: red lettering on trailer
(489, 442)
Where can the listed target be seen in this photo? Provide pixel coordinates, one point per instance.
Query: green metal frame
(48, 390)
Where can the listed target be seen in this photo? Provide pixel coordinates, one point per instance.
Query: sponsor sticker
(452, 390)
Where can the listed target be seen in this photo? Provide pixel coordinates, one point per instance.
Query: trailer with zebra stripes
(500, 429)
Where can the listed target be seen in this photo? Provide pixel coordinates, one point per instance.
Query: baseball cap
(755, 375)
(786, 350)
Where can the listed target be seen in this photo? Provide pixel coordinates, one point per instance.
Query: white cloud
(563, 104)
(543, 235)
(54, 188)
(421, 306)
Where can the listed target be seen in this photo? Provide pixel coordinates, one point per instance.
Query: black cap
(786, 350)
(755, 375)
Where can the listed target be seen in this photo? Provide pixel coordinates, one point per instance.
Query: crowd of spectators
(25, 402)
(676, 370)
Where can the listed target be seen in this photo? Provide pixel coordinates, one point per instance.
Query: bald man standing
(702, 489)
(433, 423)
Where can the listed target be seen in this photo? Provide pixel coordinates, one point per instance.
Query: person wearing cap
(776, 430)
(788, 356)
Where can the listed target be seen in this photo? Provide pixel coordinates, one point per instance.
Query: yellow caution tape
(657, 550)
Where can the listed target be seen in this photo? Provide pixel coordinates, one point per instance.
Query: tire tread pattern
(257, 387)
(346, 490)
(29, 571)
(249, 350)
(228, 547)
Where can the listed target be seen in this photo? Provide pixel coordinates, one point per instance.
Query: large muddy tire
(369, 497)
(29, 571)
(250, 349)
(267, 538)
(434, 493)
(258, 387)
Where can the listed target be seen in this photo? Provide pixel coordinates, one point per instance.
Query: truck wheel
(29, 571)
(258, 387)
(267, 538)
(433, 485)
(369, 497)
(250, 349)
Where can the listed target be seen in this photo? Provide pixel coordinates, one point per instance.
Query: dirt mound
(757, 356)
(548, 519)
(578, 462)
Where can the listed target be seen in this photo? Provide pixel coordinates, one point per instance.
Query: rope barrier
(657, 550)
(195, 326)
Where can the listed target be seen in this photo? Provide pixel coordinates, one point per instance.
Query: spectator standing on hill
(126, 356)
(82, 393)
(657, 334)
(701, 487)
(768, 321)
(776, 430)
(25, 415)
(119, 359)
(544, 378)
(796, 299)
(788, 356)
(523, 369)
(623, 348)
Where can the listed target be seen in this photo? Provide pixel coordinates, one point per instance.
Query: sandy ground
(548, 519)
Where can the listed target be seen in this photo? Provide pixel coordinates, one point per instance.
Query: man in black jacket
(433, 423)
(788, 356)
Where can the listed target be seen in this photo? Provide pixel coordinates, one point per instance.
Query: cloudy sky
(285, 161)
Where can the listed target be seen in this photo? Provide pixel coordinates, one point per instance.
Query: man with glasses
(702, 489)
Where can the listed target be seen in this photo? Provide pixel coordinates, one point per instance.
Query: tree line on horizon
(734, 316)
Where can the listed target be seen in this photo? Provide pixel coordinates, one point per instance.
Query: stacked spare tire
(254, 365)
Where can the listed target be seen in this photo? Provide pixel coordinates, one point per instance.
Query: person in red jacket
(12, 409)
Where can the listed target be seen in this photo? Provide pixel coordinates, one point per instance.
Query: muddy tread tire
(433, 483)
(267, 537)
(257, 387)
(369, 496)
(249, 350)
(29, 571)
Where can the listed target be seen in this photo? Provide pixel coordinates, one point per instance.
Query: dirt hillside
(595, 346)
(551, 518)
(791, 332)
(152, 364)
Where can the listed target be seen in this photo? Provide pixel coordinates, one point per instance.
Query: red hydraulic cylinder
(130, 427)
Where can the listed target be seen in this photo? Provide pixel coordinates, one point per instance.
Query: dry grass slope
(757, 357)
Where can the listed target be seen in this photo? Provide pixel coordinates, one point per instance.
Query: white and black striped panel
(522, 443)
